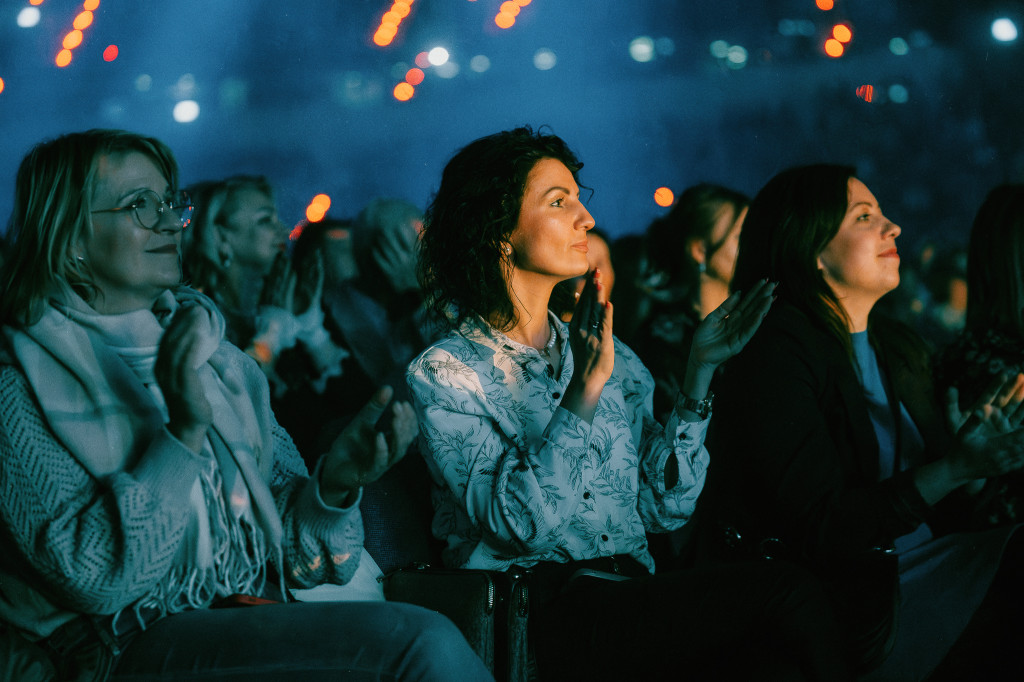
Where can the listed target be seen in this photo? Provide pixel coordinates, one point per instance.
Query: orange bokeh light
(1, 84)
(315, 214)
(296, 232)
(504, 20)
(321, 201)
(382, 39)
(110, 53)
(404, 91)
(90, 5)
(63, 58)
(866, 92)
(842, 33)
(390, 18)
(834, 48)
(401, 9)
(83, 20)
(509, 7)
(422, 60)
(35, 2)
(72, 40)
(414, 76)
(825, 5)
(663, 196)
(523, 3)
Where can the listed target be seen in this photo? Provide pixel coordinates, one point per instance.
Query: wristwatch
(702, 408)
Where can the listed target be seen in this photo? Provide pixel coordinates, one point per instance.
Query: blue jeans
(302, 641)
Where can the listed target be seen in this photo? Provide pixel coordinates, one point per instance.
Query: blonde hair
(52, 213)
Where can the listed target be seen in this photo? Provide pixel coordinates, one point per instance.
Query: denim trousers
(308, 641)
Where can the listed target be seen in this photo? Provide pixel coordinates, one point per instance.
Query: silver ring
(595, 325)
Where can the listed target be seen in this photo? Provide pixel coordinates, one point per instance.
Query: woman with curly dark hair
(544, 453)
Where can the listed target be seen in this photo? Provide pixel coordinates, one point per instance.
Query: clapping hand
(177, 360)
(1004, 394)
(293, 291)
(724, 332)
(590, 334)
(989, 440)
(362, 453)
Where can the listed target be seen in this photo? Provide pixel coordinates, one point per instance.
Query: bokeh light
(719, 49)
(29, 17)
(842, 33)
(544, 59)
(834, 48)
(1, 84)
(1004, 30)
(898, 46)
(72, 40)
(736, 57)
(91, 5)
(186, 111)
(641, 49)
(509, 7)
(663, 196)
(403, 91)
(63, 58)
(437, 56)
(825, 5)
(898, 94)
(144, 83)
(866, 92)
(83, 21)
(317, 208)
(35, 2)
(110, 53)
(414, 76)
(422, 60)
(480, 63)
(504, 20)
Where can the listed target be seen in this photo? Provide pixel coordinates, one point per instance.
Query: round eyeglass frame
(179, 202)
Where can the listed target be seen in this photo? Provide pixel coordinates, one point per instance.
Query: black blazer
(793, 452)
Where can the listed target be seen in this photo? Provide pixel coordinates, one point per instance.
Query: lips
(889, 253)
(170, 248)
(581, 246)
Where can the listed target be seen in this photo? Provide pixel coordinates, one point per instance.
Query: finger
(375, 407)
(1006, 392)
(953, 407)
(606, 321)
(583, 315)
(990, 393)
(752, 301)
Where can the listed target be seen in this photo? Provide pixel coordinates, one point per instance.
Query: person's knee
(438, 650)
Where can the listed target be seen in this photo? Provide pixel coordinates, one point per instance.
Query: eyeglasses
(149, 208)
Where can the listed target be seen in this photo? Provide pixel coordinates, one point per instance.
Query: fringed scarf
(93, 377)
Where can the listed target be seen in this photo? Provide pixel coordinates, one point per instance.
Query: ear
(821, 266)
(697, 249)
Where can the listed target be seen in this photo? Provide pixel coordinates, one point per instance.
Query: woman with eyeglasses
(146, 481)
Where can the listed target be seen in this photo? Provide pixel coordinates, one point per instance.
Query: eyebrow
(859, 203)
(558, 187)
(143, 189)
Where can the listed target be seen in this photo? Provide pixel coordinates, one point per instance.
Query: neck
(713, 293)
(858, 309)
(530, 295)
(242, 287)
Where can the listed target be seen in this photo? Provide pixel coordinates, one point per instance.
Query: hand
(590, 338)
(361, 454)
(279, 285)
(309, 288)
(190, 414)
(727, 328)
(989, 445)
(1005, 393)
(395, 254)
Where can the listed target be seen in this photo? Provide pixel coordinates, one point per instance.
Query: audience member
(545, 454)
(831, 449)
(145, 478)
(693, 250)
(567, 292)
(991, 345)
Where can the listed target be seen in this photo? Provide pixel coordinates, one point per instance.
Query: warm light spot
(834, 48)
(403, 91)
(509, 7)
(504, 20)
(391, 18)
(414, 76)
(315, 214)
(401, 9)
(523, 3)
(663, 196)
(388, 29)
(321, 201)
(842, 33)
(35, 2)
(381, 38)
(110, 53)
(866, 92)
(1, 84)
(825, 5)
(72, 40)
(83, 21)
(90, 5)
(63, 58)
(422, 60)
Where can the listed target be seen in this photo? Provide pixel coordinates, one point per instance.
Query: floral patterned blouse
(519, 479)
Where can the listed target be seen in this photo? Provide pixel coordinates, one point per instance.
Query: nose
(892, 228)
(585, 221)
(170, 221)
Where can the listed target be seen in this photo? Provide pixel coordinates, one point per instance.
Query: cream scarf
(93, 377)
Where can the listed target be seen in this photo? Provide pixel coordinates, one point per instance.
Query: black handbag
(489, 607)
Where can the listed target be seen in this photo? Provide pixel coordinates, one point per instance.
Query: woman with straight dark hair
(831, 448)
(544, 452)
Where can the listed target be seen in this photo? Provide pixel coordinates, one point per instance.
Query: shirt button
(604, 536)
(556, 395)
(586, 494)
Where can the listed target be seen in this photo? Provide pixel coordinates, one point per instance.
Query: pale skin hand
(286, 289)
(361, 454)
(989, 441)
(593, 350)
(190, 414)
(723, 334)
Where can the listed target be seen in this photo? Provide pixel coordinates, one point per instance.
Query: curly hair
(789, 223)
(464, 265)
(52, 213)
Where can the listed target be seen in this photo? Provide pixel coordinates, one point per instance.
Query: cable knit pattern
(77, 544)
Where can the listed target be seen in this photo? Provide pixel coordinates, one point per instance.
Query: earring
(508, 249)
(702, 268)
